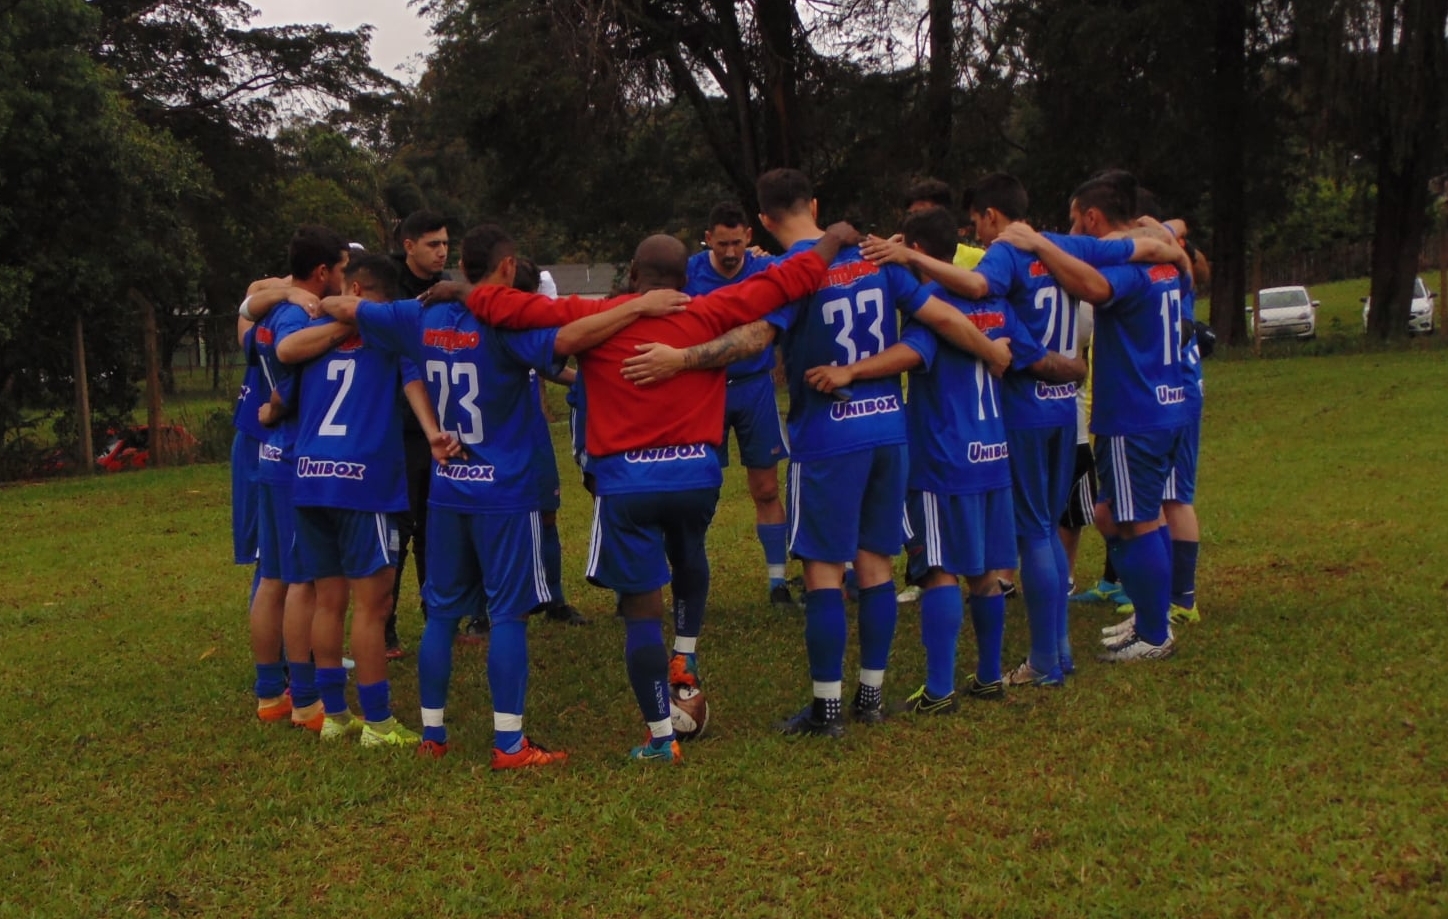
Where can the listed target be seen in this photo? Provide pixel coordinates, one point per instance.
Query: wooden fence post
(87, 447)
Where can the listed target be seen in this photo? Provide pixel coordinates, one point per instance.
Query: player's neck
(795, 229)
(418, 272)
(317, 289)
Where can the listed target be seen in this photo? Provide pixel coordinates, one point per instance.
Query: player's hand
(845, 232)
(306, 300)
(268, 415)
(892, 251)
(654, 363)
(662, 302)
(446, 292)
(827, 379)
(758, 251)
(446, 446)
(1021, 235)
(1000, 357)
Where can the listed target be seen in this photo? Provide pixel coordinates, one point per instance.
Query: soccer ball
(688, 710)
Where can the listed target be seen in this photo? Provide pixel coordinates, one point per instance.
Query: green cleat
(340, 727)
(389, 733)
(921, 702)
(990, 692)
(1103, 592)
(1181, 615)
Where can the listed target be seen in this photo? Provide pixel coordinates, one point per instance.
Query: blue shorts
(1131, 472)
(839, 505)
(959, 534)
(1181, 483)
(470, 553)
(244, 498)
(576, 437)
(1043, 467)
(750, 410)
(276, 534)
(336, 543)
(550, 487)
(637, 536)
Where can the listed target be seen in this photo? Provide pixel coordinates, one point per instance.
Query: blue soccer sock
(1063, 616)
(988, 619)
(1183, 574)
(648, 670)
(772, 537)
(1040, 580)
(434, 675)
(824, 634)
(332, 688)
(1145, 571)
(879, 612)
(941, 617)
(376, 700)
(304, 683)
(508, 680)
(271, 680)
(553, 561)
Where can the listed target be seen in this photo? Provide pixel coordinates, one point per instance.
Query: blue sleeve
(1098, 253)
(533, 349)
(1126, 281)
(291, 318)
(395, 327)
(998, 266)
(409, 371)
(923, 342)
(908, 292)
(1025, 350)
(785, 317)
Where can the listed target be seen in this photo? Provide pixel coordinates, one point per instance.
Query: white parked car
(1287, 312)
(1420, 311)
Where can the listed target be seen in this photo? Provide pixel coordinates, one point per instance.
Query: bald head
(659, 262)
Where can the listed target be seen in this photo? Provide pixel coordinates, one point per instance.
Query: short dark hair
(728, 214)
(377, 272)
(783, 192)
(420, 223)
(1112, 192)
(314, 246)
(1001, 191)
(1149, 205)
(933, 228)
(526, 278)
(484, 248)
(932, 190)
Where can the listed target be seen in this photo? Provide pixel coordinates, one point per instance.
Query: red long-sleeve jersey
(687, 409)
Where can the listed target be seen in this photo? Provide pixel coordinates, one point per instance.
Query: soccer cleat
(1110, 633)
(389, 733)
(1008, 588)
(805, 724)
(990, 692)
(431, 749)
(530, 754)
(780, 598)
(656, 751)
(565, 613)
(1133, 647)
(1026, 675)
(683, 671)
(1181, 615)
(1068, 665)
(908, 595)
(866, 712)
(310, 717)
(1103, 592)
(340, 727)
(1126, 608)
(277, 708)
(476, 632)
(394, 651)
(921, 702)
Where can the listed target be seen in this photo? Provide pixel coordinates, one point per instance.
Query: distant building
(595, 281)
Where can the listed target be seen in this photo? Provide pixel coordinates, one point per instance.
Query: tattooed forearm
(734, 345)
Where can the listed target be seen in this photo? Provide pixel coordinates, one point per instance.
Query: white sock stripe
(831, 690)
(502, 721)
(432, 717)
(661, 728)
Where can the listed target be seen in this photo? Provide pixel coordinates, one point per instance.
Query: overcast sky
(398, 35)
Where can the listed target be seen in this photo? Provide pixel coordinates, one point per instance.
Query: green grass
(1289, 762)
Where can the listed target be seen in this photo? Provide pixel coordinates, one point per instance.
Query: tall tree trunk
(1229, 198)
(940, 86)
(775, 19)
(1411, 71)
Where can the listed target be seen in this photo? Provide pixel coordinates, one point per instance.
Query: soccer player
(484, 518)
(928, 193)
(750, 410)
(1138, 413)
(959, 512)
(651, 449)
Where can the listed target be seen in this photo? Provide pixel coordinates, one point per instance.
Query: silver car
(1287, 312)
(1420, 311)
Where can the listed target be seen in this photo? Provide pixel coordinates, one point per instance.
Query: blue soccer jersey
(253, 393)
(702, 278)
(954, 416)
(1138, 383)
(349, 430)
(477, 378)
(851, 318)
(1049, 313)
(1191, 355)
(278, 454)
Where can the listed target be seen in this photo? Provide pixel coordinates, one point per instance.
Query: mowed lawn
(1290, 761)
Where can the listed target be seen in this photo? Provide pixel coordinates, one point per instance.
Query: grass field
(1289, 762)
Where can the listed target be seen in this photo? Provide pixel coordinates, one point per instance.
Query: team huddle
(977, 473)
